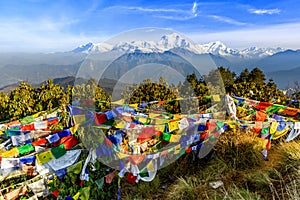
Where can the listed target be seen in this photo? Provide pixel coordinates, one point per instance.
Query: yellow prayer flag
(44, 157)
(119, 102)
(216, 98)
(36, 115)
(273, 127)
(14, 152)
(150, 166)
(177, 149)
(160, 128)
(153, 115)
(279, 134)
(179, 98)
(143, 120)
(173, 126)
(134, 105)
(160, 121)
(76, 196)
(175, 138)
(79, 119)
(74, 129)
(177, 117)
(120, 124)
(121, 155)
(241, 109)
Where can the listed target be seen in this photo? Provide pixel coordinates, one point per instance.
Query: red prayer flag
(100, 118)
(55, 193)
(130, 178)
(136, 159)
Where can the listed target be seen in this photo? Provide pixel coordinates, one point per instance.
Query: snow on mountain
(174, 40)
(91, 47)
(218, 48)
(260, 52)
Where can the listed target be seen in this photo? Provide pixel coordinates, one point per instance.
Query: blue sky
(61, 25)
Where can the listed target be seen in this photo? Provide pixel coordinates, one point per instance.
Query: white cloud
(283, 35)
(264, 11)
(142, 9)
(177, 18)
(164, 13)
(195, 6)
(227, 20)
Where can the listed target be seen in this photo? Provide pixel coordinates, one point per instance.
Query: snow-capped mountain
(260, 52)
(218, 48)
(174, 40)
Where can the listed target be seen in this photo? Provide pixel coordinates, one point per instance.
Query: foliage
(147, 91)
(26, 100)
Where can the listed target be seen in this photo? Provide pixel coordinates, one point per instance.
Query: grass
(238, 164)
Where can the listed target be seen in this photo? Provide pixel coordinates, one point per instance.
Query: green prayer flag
(100, 182)
(144, 173)
(274, 108)
(166, 136)
(109, 122)
(58, 151)
(27, 120)
(219, 125)
(76, 168)
(25, 149)
(265, 130)
(85, 193)
(182, 151)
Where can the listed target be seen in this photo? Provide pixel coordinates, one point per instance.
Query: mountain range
(114, 60)
(171, 41)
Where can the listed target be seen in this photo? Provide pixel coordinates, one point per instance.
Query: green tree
(243, 77)
(22, 101)
(228, 76)
(256, 75)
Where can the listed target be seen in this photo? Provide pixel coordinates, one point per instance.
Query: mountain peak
(173, 40)
(83, 48)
